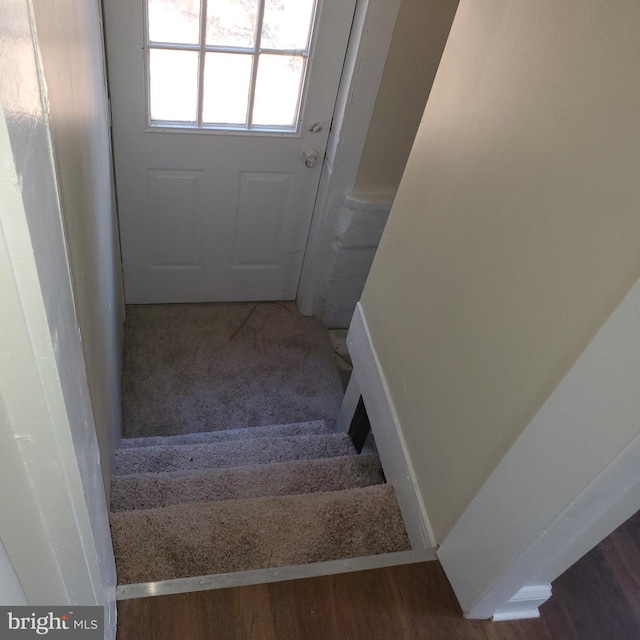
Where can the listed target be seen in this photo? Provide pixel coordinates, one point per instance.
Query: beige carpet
(314, 427)
(202, 367)
(235, 453)
(152, 490)
(230, 460)
(236, 535)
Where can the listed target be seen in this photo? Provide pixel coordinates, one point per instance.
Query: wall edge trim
(524, 604)
(387, 431)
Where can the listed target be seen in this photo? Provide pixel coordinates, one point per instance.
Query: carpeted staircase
(224, 501)
(187, 504)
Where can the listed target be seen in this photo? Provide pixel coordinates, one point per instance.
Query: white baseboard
(278, 574)
(523, 604)
(387, 432)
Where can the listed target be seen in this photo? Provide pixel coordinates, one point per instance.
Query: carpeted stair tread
(153, 490)
(219, 537)
(234, 453)
(314, 427)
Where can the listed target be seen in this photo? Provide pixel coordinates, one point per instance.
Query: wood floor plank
(305, 608)
(254, 612)
(366, 604)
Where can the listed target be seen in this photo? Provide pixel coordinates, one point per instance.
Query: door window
(227, 64)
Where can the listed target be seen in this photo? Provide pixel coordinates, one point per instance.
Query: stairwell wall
(55, 525)
(514, 233)
(419, 37)
(70, 46)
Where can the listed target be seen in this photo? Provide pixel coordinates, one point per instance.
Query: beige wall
(70, 46)
(514, 234)
(418, 40)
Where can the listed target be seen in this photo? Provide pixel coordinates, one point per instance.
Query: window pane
(173, 82)
(227, 78)
(277, 90)
(174, 21)
(231, 23)
(286, 24)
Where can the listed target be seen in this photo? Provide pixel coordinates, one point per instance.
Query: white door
(221, 111)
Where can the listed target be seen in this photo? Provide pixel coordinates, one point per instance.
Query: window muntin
(227, 64)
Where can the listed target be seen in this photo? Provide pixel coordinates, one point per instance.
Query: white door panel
(214, 215)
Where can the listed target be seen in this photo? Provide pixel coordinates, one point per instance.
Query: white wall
(514, 233)
(54, 525)
(11, 592)
(70, 46)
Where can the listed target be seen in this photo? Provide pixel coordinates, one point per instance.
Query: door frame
(371, 34)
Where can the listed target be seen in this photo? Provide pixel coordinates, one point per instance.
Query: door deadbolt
(310, 158)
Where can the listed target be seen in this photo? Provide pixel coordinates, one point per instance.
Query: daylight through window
(227, 64)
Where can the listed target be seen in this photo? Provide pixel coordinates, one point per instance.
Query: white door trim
(571, 477)
(369, 43)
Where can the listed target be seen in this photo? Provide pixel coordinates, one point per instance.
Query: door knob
(310, 158)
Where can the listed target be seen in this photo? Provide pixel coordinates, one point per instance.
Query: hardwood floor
(597, 599)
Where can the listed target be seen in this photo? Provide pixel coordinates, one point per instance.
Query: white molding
(363, 201)
(387, 431)
(524, 604)
(369, 43)
(279, 574)
(572, 476)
